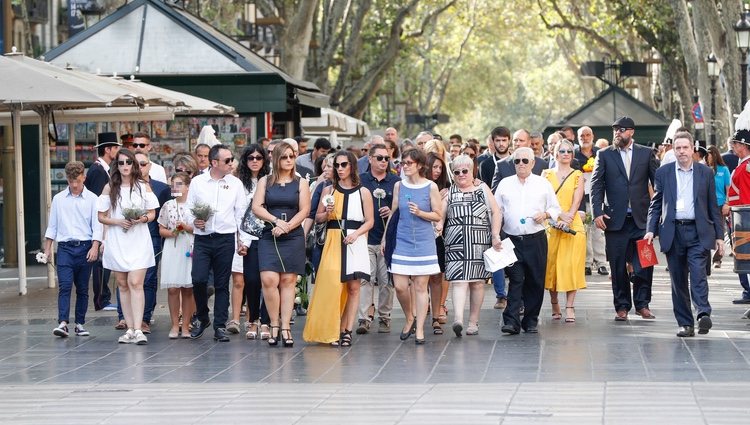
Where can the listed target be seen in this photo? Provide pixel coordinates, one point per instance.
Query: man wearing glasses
(622, 173)
(214, 237)
(380, 183)
(142, 144)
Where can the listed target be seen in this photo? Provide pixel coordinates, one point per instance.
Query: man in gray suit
(685, 215)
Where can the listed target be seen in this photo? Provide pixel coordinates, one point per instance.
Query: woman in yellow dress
(347, 208)
(566, 256)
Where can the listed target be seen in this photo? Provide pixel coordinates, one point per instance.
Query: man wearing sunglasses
(505, 167)
(96, 178)
(622, 174)
(142, 144)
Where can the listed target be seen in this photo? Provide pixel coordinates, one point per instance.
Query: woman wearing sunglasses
(414, 255)
(128, 251)
(472, 225)
(282, 200)
(566, 255)
(345, 259)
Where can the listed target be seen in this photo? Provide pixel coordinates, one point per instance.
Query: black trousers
(253, 285)
(621, 249)
(526, 287)
(100, 284)
(212, 252)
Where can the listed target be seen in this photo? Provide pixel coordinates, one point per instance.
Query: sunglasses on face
(287, 157)
(227, 161)
(382, 158)
(520, 160)
(338, 165)
(139, 145)
(143, 163)
(621, 129)
(564, 151)
(459, 172)
(255, 158)
(125, 162)
(180, 170)
(408, 163)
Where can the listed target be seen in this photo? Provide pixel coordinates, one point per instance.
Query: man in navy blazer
(687, 219)
(623, 218)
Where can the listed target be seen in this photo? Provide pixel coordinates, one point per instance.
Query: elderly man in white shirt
(214, 238)
(73, 223)
(527, 202)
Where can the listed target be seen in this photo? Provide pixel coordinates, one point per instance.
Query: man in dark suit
(622, 172)
(96, 178)
(498, 148)
(505, 167)
(687, 219)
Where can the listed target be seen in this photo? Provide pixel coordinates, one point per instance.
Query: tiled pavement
(593, 371)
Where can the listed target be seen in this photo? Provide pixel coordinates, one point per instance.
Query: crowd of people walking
(412, 219)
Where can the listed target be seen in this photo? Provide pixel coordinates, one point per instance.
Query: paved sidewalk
(592, 371)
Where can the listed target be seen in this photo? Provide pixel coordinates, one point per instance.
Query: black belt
(684, 222)
(539, 234)
(216, 235)
(348, 224)
(74, 243)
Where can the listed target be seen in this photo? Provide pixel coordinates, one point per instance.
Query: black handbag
(251, 224)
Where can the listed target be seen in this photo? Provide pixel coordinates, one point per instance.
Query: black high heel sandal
(273, 340)
(288, 342)
(346, 338)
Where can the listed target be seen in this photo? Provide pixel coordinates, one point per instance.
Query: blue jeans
(745, 287)
(73, 268)
(498, 282)
(150, 286)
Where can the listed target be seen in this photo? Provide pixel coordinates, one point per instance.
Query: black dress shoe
(531, 330)
(199, 328)
(704, 324)
(588, 271)
(741, 301)
(685, 331)
(418, 341)
(509, 329)
(220, 335)
(603, 271)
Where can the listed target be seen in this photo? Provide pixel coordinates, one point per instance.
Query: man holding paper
(685, 215)
(526, 202)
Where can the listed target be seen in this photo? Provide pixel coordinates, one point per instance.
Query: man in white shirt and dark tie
(527, 202)
(74, 224)
(214, 244)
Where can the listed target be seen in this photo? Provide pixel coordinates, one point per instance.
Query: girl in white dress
(128, 251)
(178, 251)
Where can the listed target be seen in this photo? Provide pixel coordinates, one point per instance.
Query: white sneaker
(80, 331)
(140, 338)
(127, 338)
(61, 330)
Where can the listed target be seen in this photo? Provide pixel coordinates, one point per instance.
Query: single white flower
(297, 291)
(379, 193)
(298, 300)
(299, 278)
(328, 200)
(41, 258)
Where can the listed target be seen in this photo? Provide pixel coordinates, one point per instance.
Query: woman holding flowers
(178, 251)
(125, 204)
(347, 209)
(282, 200)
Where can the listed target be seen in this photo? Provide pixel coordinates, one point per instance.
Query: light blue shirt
(74, 218)
(684, 197)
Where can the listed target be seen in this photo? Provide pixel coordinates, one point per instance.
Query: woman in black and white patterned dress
(472, 225)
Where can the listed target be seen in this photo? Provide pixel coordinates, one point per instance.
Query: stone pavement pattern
(592, 371)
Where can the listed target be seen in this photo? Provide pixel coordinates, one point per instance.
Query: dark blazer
(96, 178)
(730, 159)
(487, 169)
(661, 213)
(505, 168)
(609, 178)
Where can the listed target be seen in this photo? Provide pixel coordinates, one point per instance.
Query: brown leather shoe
(622, 315)
(645, 313)
(145, 328)
(121, 325)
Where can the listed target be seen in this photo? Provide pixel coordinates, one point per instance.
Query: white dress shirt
(227, 198)
(519, 202)
(74, 218)
(157, 172)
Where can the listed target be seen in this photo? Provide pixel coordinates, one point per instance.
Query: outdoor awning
(328, 121)
(309, 98)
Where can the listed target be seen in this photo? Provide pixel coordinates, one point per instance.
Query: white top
(246, 238)
(74, 218)
(227, 198)
(520, 201)
(668, 157)
(157, 172)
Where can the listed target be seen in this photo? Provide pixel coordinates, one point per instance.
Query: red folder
(646, 253)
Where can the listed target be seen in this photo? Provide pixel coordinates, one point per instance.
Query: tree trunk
(295, 45)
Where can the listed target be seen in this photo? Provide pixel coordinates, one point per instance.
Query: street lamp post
(742, 32)
(713, 74)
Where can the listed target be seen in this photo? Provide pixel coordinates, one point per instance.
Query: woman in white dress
(128, 251)
(177, 251)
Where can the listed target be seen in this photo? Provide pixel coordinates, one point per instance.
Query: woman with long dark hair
(722, 182)
(253, 165)
(128, 251)
(282, 200)
(347, 209)
(437, 171)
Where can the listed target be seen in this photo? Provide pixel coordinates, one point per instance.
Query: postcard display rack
(167, 139)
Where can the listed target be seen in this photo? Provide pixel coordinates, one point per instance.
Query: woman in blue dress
(415, 254)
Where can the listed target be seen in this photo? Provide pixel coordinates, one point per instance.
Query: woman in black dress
(282, 200)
